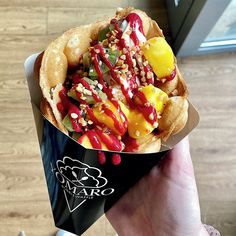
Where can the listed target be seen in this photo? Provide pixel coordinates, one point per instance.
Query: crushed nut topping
(74, 115)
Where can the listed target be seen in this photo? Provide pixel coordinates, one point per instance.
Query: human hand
(163, 203)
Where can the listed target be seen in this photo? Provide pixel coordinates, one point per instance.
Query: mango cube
(159, 55)
(138, 126)
(106, 119)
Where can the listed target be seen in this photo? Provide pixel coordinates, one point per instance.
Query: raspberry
(116, 159)
(101, 158)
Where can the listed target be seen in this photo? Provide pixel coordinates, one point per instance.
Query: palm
(165, 202)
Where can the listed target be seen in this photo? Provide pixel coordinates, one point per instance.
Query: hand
(163, 203)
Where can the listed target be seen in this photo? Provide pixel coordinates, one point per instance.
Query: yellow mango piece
(124, 109)
(138, 126)
(159, 55)
(102, 117)
(155, 96)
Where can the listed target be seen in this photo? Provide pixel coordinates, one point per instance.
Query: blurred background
(202, 34)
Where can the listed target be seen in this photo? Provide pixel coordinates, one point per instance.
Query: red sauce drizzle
(88, 87)
(98, 69)
(76, 78)
(116, 159)
(98, 136)
(111, 141)
(135, 21)
(101, 158)
(75, 124)
(94, 140)
(146, 110)
(171, 76)
(117, 124)
(67, 107)
(130, 144)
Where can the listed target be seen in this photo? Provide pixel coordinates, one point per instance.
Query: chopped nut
(120, 62)
(149, 74)
(139, 59)
(74, 115)
(125, 50)
(87, 92)
(155, 124)
(100, 63)
(142, 73)
(79, 89)
(97, 50)
(151, 116)
(145, 63)
(124, 70)
(123, 57)
(124, 66)
(113, 48)
(137, 133)
(133, 52)
(90, 122)
(106, 55)
(143, 79)
(134, 62)
(82, 106)
(99, 86)
(82, 121)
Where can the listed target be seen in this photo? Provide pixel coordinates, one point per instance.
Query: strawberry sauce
(129, 87)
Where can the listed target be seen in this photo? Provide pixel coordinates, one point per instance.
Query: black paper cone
(80, 189)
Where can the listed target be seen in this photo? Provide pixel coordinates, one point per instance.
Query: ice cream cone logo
(80, 182)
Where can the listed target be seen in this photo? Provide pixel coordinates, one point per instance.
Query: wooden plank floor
(27, 26)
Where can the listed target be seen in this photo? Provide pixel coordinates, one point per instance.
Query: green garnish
(112, 57)
(103, 33)
(67, 123)
(89, 99)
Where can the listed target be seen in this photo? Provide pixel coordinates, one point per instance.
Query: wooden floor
(27, 26)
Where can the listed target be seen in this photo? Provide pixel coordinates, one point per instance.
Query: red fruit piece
(101, 158)
(116, 159)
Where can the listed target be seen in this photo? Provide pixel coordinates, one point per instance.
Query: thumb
(178, 164)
